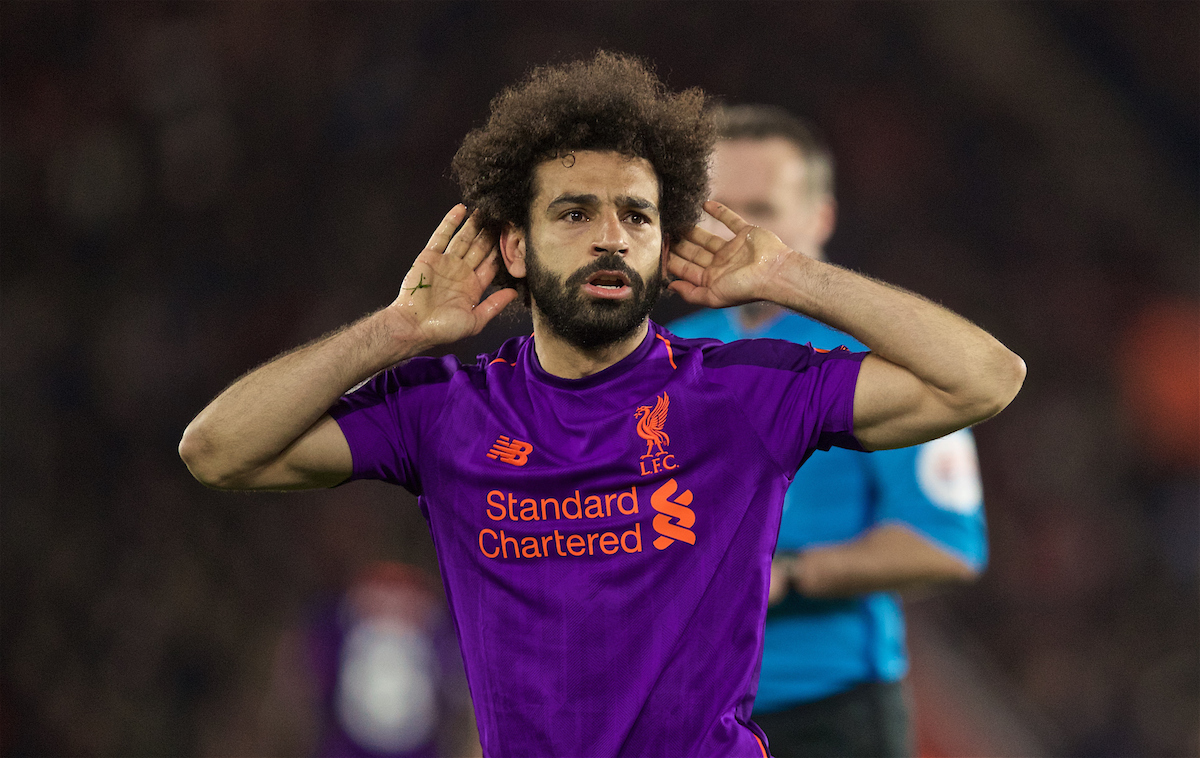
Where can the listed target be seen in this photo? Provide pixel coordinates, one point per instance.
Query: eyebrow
(639, 203)
(624, 201)
(565, 199)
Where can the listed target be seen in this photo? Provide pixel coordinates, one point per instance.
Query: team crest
(650, 422)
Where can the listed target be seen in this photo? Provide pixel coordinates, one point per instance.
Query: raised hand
(718, 273)
(440, 297)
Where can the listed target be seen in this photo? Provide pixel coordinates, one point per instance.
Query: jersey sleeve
(385, 419)
(800, 399)
(935, 489)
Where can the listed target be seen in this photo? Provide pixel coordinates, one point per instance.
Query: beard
(587, 322)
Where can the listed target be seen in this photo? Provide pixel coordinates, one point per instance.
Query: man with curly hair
(603, 496)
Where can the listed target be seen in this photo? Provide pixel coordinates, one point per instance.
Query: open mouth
(608, 280)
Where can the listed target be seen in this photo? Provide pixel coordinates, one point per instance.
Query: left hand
(719, 273)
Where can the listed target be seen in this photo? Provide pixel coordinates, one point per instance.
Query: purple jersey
(605, 542)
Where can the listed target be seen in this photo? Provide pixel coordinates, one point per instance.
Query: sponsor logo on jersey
(674, 519)
(650, 422)
(572, 509)
(589, 524)
(511, 451)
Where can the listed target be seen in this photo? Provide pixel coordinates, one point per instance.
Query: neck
(568, 361)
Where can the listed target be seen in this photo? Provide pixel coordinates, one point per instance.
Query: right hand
(439, 299)
(719, 271)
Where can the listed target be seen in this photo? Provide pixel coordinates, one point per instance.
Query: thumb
(491, 307)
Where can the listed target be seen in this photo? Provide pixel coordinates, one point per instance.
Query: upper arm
(894, 408)
(318, 458)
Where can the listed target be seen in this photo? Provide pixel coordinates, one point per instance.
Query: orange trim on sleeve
(761, 746)
(670, 355)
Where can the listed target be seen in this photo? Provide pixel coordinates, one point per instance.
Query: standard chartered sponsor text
(510, 507)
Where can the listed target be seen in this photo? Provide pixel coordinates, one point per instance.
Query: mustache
(606, 262)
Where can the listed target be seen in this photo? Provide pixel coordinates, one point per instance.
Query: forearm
(269, 430)
(888, 558)
(254, 421)
(942, 348)
(964, 375)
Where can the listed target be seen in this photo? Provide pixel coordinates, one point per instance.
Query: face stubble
(586, 322)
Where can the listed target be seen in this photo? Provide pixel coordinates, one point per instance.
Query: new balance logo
(515, 452)
(684, 517)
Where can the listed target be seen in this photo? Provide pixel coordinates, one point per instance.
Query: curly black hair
(610, 102)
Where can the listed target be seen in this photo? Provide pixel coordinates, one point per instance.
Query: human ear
(512, 249)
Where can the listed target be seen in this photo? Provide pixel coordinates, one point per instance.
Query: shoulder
(426, 371)
(767, 354)
(418, 375)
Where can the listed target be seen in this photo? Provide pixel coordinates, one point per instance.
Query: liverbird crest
(650, 425)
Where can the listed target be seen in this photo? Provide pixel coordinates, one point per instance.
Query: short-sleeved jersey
(605, 542)
(815, 648)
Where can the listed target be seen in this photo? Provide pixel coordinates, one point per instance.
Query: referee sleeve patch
(948, 473)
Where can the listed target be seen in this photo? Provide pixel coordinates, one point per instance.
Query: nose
(610, 235)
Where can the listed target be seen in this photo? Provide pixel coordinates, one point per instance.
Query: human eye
(637, 218)
(575, 214)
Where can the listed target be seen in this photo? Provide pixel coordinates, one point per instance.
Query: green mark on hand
(420, 285)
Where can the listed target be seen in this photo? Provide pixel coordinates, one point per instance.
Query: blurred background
(187, 189)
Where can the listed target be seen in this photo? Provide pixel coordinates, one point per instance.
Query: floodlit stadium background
(187, 189)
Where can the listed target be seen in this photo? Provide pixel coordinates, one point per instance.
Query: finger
(445, 230)
(491, 307)
(705, 239)
(690, 292)
(681, 268)
(484, 244)
(726, 216)
(487, 270)
(711, 225)
(464, 237)
(693, 252)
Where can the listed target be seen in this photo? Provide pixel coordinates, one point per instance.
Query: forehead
(605, 174)
(756, 166)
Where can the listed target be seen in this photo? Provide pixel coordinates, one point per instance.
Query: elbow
(201, 457)
(998, 385)
(1014, 377)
